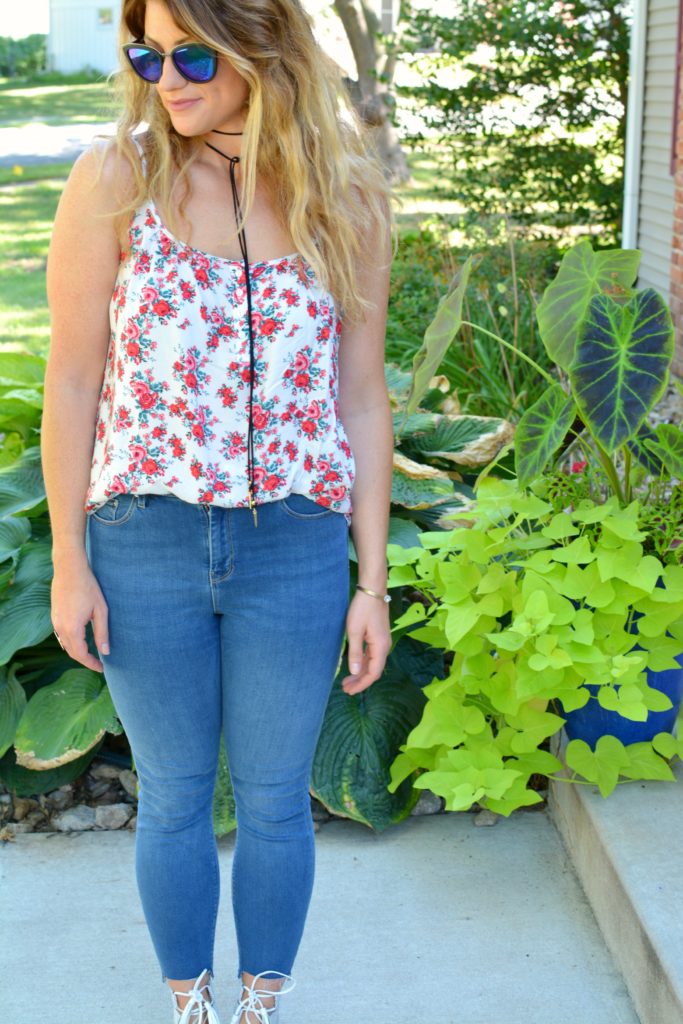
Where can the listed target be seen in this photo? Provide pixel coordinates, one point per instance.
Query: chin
(187, 126)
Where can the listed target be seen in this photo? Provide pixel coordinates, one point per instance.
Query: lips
(180, 104)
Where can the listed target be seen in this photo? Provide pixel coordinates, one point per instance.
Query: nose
(170, 76)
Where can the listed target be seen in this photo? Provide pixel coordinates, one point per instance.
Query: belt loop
(142, 500)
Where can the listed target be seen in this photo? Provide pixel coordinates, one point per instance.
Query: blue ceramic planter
(592, 721)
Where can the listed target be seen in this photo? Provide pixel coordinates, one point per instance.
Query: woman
(211, 408)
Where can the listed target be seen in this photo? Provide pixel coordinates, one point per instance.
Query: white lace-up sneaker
(252, 1001)
(198, 1009)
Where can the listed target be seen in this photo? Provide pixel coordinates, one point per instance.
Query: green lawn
(26, 214)
(27, 207)
(54, 104)
(29, 196)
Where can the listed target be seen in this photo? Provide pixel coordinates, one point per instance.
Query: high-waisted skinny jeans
(218, 624)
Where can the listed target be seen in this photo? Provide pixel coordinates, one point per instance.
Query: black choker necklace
(233, 161)
(219, 132)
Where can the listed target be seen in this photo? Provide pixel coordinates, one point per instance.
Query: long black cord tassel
(233, 160)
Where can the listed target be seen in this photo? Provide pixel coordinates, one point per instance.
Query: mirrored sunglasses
(195, 62)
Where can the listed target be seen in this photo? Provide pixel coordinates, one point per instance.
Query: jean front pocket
(116, 511)
(299, 506)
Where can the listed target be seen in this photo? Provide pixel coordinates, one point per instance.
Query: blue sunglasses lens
(146, 62)
(195, 62)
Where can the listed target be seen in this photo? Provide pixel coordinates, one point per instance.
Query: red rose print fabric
(172, 414)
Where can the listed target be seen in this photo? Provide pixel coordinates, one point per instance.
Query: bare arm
(365, 411)
(82, 265)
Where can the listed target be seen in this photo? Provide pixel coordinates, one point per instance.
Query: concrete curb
(626, 851)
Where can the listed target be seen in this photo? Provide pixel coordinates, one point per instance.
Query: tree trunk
(372, 92)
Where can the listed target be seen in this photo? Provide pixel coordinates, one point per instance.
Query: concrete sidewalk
(46, 144)
(434, 920)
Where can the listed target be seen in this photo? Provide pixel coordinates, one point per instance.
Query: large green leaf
(20, 413)
(65, 719)
(398, 384)
(582, 274)
(622, 364)
(417, 422)
(25, 611)
(404, 532)
(639, 446)
(668, 445)
(25, 782)
(415, 485)
(438, 337)
(21, 369)
(361, 736)
(21, 483)
(14, 531)
(469, 441)
(541, 431)
(12, 705)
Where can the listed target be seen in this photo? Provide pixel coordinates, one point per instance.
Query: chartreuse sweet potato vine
(535, 603)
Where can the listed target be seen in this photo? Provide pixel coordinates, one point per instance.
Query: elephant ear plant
(535, 601)
(613, 348)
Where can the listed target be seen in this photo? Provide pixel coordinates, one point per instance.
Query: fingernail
(105, 648)
(355, 667)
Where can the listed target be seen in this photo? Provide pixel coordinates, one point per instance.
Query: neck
(229, 144)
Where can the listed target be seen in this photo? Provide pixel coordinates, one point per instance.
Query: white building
(83, 33)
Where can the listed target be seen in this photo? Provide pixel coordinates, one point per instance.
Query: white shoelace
(252, 1002)
(197, 1004)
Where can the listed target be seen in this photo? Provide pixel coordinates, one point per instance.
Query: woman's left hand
(367, 621)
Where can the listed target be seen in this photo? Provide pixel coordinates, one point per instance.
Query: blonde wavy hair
(301, 134)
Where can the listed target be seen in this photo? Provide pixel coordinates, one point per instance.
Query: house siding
(676, 268)
(77, 39)
(656, 206)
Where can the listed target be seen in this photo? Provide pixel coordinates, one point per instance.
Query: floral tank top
(173, 408)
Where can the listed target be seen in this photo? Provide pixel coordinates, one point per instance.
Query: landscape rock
(129, 781)
(61, 798)
(112, 815)
(486, 817)
(98, 788)
(14, 827)
(105, 771)
(428, 803)
(36, 817)
(75, 819)
(22, 805)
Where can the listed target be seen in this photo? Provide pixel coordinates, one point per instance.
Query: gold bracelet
(373, 593)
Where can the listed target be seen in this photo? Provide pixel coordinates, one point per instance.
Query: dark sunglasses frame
(174, 57)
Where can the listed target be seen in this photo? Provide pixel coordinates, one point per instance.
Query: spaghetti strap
(143, 158)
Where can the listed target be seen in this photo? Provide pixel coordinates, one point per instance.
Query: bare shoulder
(103, 175)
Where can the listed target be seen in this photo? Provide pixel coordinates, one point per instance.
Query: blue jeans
(215, 624)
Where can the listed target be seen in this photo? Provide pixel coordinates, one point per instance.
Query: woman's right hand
(76, 599)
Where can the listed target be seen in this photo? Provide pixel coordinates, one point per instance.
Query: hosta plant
(534, 604)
